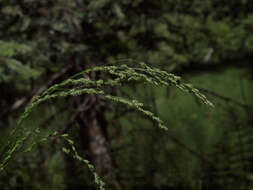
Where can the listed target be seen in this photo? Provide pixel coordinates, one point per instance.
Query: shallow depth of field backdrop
(209, 43)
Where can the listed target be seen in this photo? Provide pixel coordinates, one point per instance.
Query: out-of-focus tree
(45, 42)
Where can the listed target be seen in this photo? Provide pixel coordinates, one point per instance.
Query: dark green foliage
(43, 43)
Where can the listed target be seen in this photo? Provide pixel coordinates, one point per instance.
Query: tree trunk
(90, 117)
(93, 134)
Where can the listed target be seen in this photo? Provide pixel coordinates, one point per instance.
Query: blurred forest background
(209, 43)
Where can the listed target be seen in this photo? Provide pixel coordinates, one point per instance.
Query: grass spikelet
(77, 85)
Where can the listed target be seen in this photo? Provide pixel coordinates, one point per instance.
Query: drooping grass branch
(73, 152)
(117, 77)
